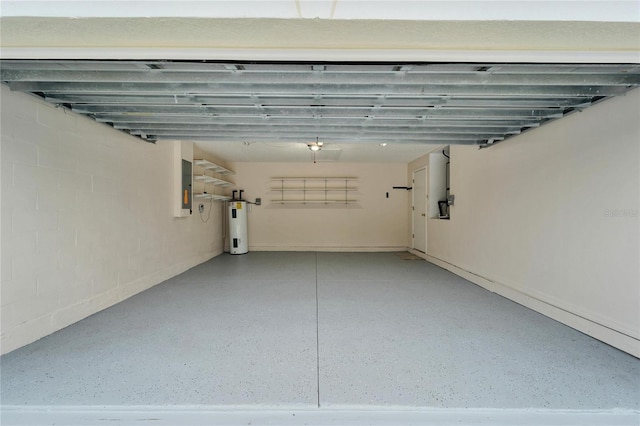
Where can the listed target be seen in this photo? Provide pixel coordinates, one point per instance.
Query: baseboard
(330, 248)
(579, 322)
(37, 328)
(312, 416)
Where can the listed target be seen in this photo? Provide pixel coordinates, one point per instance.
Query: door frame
(413, 204)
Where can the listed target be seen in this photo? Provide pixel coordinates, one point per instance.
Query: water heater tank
(238, 243)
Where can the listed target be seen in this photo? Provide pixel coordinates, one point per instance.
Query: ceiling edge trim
(333, 55)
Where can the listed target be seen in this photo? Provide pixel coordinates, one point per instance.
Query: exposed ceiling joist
(315, 101)
(250, 78)
(281, 88)
(418, 103)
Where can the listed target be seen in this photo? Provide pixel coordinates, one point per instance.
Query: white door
(419, 208)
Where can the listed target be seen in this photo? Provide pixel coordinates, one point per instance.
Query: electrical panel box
(182, 198)
(186, 193)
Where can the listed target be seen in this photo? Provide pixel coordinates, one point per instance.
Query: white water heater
(238, 243)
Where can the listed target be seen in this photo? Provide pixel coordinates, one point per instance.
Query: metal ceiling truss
(431, 103)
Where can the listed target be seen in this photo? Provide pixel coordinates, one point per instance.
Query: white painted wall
(550, 219)
(490, 10)
(87, 219)
(437, 182)
(376, 223)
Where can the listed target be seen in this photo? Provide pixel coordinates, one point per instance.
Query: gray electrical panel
(186, 184)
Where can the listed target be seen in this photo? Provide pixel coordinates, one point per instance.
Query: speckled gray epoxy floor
(342, 329)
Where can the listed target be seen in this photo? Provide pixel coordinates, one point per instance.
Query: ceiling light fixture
(383, 144)
(315, 146)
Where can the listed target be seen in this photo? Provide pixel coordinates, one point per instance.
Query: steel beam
(192, 89)
(319, 78)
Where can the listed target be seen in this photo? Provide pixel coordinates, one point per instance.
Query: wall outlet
(201, 208)
(258, 201)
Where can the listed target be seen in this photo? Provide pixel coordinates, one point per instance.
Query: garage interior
(442, 218)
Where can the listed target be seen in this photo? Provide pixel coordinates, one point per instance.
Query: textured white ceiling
(287, 152)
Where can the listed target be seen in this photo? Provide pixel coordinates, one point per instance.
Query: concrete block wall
(550, 219)
(86, 219)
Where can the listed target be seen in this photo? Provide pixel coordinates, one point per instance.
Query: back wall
(374, 223)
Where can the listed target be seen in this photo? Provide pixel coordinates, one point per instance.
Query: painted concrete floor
(328, 330)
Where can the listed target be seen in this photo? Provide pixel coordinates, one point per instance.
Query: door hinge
(413, 235)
